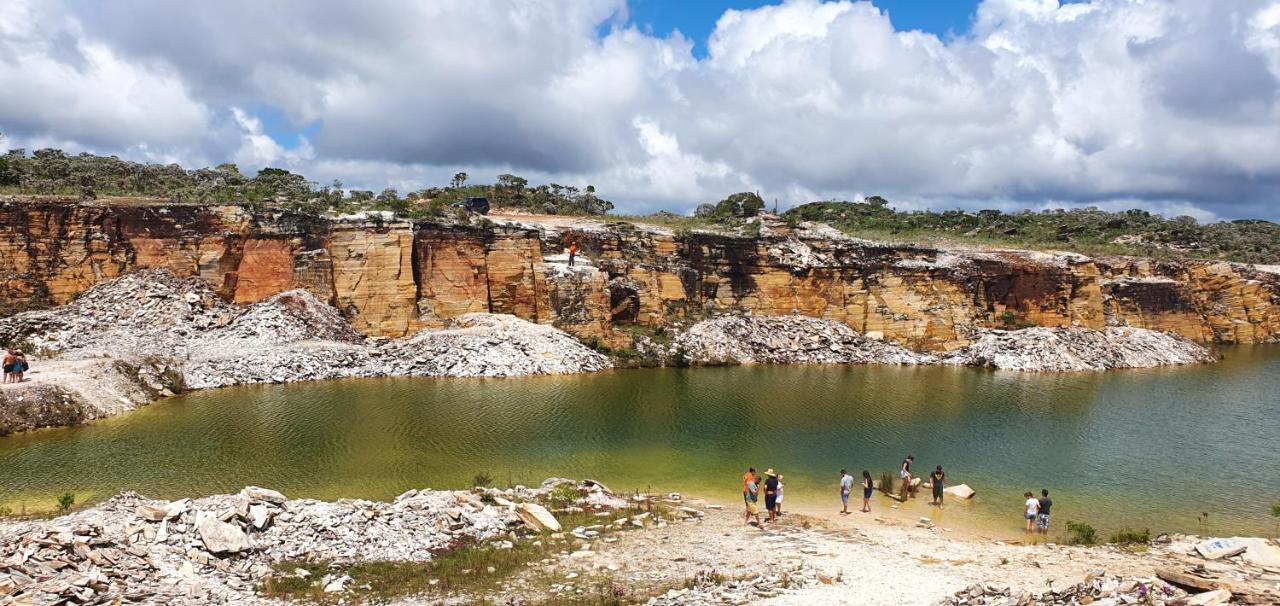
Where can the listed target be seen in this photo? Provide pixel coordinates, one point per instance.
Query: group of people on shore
(772, 487)
(1037, 509)
(15, 366)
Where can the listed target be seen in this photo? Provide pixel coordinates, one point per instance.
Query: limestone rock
(265, 495)
(537, 517)
(960, 491)
(221, 537)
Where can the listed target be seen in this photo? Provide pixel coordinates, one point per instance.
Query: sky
(1167, 105)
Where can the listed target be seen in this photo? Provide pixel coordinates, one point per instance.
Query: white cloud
(1170, 105)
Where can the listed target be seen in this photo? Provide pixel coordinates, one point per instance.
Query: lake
(1142, 448)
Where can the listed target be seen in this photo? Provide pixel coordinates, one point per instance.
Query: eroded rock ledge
(803, 340)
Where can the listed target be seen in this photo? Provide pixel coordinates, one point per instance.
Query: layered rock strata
(391, 278)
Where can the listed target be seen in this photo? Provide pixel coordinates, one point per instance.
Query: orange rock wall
(392, 279)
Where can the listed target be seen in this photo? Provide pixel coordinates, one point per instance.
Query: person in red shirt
(573, 252)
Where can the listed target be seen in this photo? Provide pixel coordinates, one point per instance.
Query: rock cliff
(393, 277)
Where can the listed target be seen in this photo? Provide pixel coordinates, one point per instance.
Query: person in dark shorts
(10, 362)
(867, 487)
(1042, 518)
(937, 479)
(771, 494)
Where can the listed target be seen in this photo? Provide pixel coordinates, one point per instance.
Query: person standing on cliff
(573, 251)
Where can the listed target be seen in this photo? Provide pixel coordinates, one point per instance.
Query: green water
(1144, 448)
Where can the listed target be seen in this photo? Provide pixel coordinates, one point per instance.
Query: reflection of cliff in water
(1115, 449)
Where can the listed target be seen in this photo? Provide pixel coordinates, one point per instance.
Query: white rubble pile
(1078, 349)
(218, 549)
(805, 340)
(215, 550)
(307, 361)
(490, 345)
(151, 312)
(1097, 589)
(708, 589)
(291, 336)
(288, 317)
(785, 340)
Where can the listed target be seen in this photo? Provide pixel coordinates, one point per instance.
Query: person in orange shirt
(573, 252)
(751, 494)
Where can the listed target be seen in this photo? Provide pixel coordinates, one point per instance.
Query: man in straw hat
(771, 493)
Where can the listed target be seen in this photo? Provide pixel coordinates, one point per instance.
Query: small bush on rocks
(1081, 533)
(1132, 537)
(481, 480)
(65, 502)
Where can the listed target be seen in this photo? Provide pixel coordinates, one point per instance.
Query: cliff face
(393, 278)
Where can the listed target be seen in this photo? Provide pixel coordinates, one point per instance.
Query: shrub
(564, 495)
(481, 480)
(65, 502)
(1081, 533)
(1132, 537)
(1275, 513)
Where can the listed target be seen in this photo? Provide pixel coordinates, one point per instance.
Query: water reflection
(1129, 447)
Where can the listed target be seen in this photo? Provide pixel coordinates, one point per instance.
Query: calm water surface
(1143, 448)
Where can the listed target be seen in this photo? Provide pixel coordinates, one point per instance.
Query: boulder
(960, 491)
(264, 495)
(152, 513)
(1214, 549)
(1210, 598)
(537, 517)
(221, 537)
(259, 516)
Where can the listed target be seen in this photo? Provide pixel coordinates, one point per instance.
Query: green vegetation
(66, 502)
(1275, 513)
(741, 205)
(481, 480)
(1081, 534)
(1012, 321)
(1089, 230)
(86, 176)
(1131, 537)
